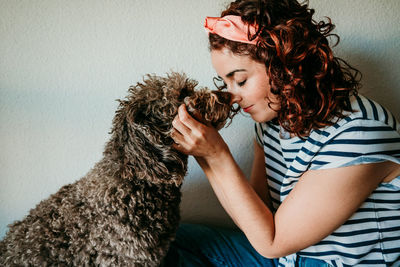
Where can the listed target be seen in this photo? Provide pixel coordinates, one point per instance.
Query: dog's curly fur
(125, 211)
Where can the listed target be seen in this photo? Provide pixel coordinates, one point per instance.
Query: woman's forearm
(240, 200)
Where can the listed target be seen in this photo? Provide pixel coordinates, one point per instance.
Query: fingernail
(181, 108)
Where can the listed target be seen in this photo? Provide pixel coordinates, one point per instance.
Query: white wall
(63, 63)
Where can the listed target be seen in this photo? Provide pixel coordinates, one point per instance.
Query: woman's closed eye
(242, 82)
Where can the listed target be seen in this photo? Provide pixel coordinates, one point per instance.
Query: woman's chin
(265, 117)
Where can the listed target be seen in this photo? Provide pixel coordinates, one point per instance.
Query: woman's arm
(320, 202)
(240, 200)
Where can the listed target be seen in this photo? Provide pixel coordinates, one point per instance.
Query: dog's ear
(138, 149)
(125, 142)
(123, 117)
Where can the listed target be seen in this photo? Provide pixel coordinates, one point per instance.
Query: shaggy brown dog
(125, 211)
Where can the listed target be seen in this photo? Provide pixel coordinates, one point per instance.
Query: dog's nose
(235, 99)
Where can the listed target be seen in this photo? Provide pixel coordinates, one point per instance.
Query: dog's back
(98, 220)
(41, 236)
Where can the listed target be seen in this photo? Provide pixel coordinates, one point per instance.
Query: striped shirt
(371, 237)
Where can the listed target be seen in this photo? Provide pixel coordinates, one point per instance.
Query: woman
(325, 182)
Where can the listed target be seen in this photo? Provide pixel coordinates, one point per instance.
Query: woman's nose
(236, 98)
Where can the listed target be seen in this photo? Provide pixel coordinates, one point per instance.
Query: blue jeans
(201, 246)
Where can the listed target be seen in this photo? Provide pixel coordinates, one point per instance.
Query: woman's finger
(179, 142)
(195, 127)
(177, 136)
(180, 127)
(186, 119)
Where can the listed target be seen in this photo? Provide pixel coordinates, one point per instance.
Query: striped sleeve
(258, 132)
(359, 142)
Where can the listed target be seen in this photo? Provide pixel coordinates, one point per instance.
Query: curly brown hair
(312, 85)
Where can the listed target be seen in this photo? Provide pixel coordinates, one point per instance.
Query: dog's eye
(184, 93)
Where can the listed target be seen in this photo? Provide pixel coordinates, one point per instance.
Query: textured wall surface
(63, 63)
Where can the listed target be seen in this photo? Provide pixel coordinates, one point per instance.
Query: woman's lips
(247, 109)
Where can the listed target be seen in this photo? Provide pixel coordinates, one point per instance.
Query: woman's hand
(194, 138)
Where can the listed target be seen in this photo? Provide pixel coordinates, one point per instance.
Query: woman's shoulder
(368, 120)
(368, 117)
(368, 134)
(366, 109)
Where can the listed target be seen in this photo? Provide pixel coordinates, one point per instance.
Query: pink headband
(230, 27)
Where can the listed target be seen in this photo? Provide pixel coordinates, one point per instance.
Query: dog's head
(210, 107)
(143, 123)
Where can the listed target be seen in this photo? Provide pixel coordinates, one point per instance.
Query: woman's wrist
(216, 155)
(215, 163)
